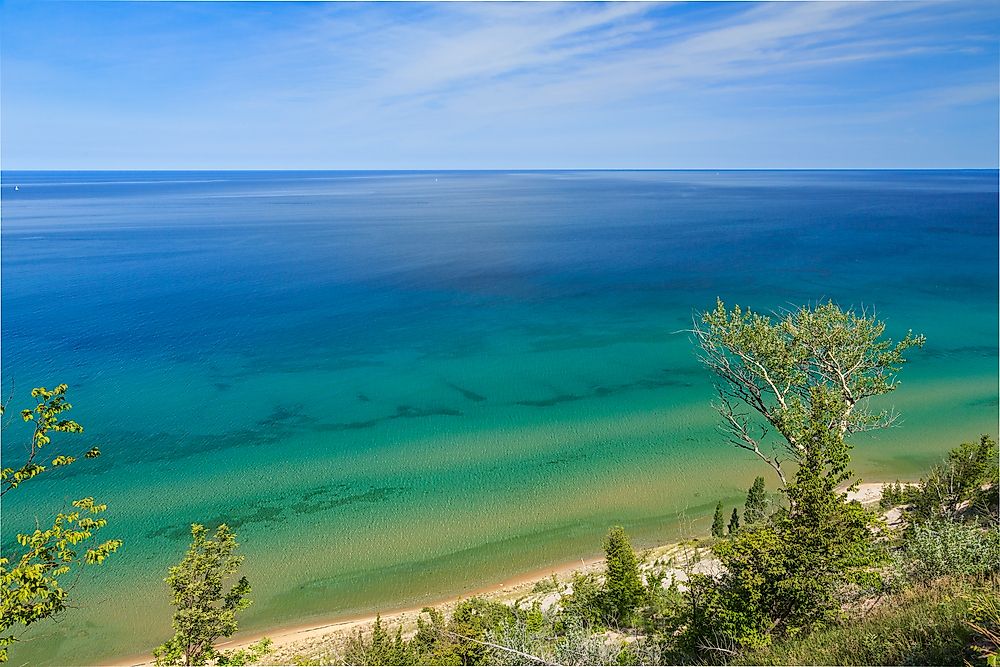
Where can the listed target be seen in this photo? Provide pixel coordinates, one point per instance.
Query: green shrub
(432, 642)
(525, 639)
(943, 548)
(738, 608)
(547, 585)
(470, 623)
(251, 655)
(380, 648)
(534, 619)
(894, 495)
(305, 661)
(586, 601)
(664, 604)
(577, 644)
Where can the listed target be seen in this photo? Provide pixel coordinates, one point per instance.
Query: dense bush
(665, 604)
(432, 643)
(617, 601)
(461, 639)
(894, 494)
(736, 608)
(575, 643)
(380, 648)
(585, 601)
(470, 623)
(943, 548)
(547, 585)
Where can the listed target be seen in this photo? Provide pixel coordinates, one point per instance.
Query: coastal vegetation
(894, 615)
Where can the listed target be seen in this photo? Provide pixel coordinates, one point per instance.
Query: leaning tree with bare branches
(772, 369)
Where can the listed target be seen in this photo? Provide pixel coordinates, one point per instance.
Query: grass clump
(922, 625)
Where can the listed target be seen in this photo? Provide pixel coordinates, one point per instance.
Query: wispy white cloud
(478, 54)
(344, 82)
(500, 58)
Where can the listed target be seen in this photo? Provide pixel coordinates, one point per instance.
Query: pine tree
(718, 523)
(734, 522)
(623, 587)
(756, 505)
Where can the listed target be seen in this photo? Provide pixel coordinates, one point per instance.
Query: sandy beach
(312, 639)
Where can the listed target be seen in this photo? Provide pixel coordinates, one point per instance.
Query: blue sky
(159, 85)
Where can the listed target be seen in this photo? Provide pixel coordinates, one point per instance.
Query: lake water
(398, 386)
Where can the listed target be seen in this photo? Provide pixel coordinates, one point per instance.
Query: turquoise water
(398, 386)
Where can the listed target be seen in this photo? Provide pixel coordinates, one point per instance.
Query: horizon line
(493, 169)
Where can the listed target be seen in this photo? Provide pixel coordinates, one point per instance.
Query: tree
(30, 590)
(784, 575)
(45, 416)
(809, 377)
(830, 541)
(586, 603)
(771, 367)
(205, 611)
(718, 522)
(734, 522)
(623, 587)
(755, 507)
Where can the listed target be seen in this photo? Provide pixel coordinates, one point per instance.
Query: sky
(703, 85)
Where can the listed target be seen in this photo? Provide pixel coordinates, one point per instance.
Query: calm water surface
(399, 386)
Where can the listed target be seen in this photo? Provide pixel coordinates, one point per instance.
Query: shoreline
(287, 638)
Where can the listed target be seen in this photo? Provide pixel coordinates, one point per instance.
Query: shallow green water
(401, 386)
